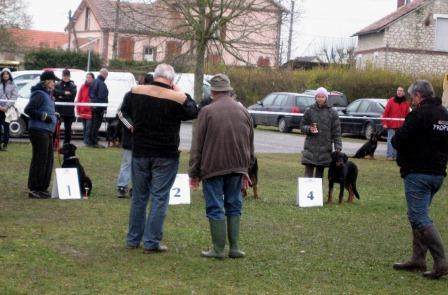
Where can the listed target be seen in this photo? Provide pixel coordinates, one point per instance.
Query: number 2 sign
(309, 192)
(180, 191)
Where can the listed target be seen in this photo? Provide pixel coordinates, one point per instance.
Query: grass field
(78, 247)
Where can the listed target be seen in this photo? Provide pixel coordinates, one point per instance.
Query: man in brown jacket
(221, 155)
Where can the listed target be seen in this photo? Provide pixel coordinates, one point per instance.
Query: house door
(126, 48)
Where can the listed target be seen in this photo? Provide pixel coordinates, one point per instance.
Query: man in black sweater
(422, 146)
(65, 91)
(154, 113)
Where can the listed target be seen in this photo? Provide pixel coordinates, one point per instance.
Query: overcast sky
(322, 21)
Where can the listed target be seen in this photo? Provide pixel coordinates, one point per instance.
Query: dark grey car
(281, 109)
(362, 117)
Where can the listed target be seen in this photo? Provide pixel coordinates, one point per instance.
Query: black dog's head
(339, 158)
(374, 137)
(68, 150)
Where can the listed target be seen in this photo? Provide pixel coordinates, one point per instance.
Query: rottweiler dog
(253, 175)
(71, 161)
(345, 173)
(369, 148)
(113, 133)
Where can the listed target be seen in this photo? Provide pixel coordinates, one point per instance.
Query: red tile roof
(388, 19)
(38, 39)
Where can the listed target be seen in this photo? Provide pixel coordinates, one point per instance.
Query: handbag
(12, 114)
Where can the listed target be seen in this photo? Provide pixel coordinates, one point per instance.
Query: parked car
(337, 100)
(281, 109)
(362, 117)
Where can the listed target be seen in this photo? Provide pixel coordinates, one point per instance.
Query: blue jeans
(391, 152)
(150, 177)
(86, 126)
(125, 169)
(419, 190)
(223, 196)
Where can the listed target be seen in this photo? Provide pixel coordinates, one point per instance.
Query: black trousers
(309, 171)
(5, 127)
(42, 160)
(97, 119)
(68, 121)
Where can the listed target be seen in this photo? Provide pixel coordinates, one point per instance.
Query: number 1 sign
(180, 191)
(66, 184)
(309, 192)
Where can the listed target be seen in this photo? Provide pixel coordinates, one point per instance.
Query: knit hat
(321, 91)
(6, 70)
(220, 83)
(48, 75)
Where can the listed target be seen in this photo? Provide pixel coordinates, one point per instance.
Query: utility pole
(291, 25)
(115, 41)
(69, 29)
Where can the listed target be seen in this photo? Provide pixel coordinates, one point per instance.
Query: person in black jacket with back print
(422, 146)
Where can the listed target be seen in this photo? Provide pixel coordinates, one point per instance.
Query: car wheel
(368, 130)
(17, 128)
(254, 124)
(282, 127)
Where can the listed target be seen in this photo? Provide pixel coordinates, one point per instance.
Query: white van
(118, 83)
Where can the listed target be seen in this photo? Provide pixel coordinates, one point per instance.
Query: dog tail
(355, 191)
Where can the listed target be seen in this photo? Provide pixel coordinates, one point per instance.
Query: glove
(45, 118)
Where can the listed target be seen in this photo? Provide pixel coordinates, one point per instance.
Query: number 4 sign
(180, 191)
(309, 192)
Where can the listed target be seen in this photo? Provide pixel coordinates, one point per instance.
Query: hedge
(252, 84)
(58, 58)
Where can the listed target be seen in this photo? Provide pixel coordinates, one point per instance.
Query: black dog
(368, 149)
(253, 175)
(345, 173)
(113, 133)
(71, 161)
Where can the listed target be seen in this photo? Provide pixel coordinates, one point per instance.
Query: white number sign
(66, 184)
(309, 192)
(180, 191)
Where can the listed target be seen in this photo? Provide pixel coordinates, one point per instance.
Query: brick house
(412, 39)
(32, 39)
(93, 25)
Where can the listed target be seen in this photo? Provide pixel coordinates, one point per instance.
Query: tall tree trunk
(199, 72)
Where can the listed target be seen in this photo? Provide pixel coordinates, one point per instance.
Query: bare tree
(211, 28)
(341, 51)
(12, 15)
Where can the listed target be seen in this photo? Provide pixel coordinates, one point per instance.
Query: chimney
(402, 3)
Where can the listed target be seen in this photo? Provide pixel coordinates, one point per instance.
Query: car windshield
(25, 91)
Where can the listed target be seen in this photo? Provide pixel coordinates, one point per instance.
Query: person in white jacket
(8, 95)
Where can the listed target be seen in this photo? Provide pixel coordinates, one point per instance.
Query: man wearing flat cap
(221, 156)
(41, 125)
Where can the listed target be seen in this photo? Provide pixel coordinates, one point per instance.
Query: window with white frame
(441, 42)
(148, 53)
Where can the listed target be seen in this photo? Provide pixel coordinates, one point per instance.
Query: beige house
(412, 39)
(93, 26)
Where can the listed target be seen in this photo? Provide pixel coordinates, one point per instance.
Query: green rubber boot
(233, 232)
(218, 233)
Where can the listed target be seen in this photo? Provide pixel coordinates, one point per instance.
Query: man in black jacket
(422, 146)
(98, 94)
(65, 91)
(154, 113)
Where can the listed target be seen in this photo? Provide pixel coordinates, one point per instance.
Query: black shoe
(160, 249)
(46, 194)
(4, 147)
(38, 195)
(122, 192)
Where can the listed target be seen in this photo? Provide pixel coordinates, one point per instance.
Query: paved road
(267, 141)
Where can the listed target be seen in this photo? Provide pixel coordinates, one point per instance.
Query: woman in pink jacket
(396, 107)
(85, 112)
